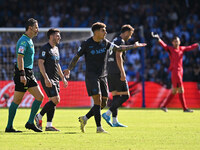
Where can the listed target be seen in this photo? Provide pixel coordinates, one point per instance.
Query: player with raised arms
(176, 67)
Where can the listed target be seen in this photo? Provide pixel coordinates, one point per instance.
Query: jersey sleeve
(164, 45)
(22, 47)
(43, 53)
(82, 49)
(191, 47)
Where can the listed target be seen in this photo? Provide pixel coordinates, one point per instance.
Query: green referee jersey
(25, 47)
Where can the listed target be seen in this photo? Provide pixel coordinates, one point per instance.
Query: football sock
(50, 114)
(167, 100)
(115, 120)
(99, 127)
(115, 112)
(49, 105)
(97, 115)
(35, 106)
(11, 116)
(118, 102)
(49, 124)
(108, 113)
(123, 98)
(85, 118)
(182, 99)
(40, 116)
(90, 113)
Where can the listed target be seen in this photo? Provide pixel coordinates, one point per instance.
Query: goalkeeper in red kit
(176, 67)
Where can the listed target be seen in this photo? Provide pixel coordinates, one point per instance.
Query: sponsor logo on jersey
(98, 51)
(21, 49)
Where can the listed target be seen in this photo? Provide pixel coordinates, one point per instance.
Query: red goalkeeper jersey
(176, 55)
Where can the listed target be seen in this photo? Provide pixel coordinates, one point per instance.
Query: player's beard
(56, 42)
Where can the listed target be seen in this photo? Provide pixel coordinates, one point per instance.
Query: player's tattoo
(123, 48)
(73, 62)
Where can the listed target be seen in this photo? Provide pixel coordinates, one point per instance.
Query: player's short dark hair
(97, 26)
(30, 22)
(126, 27)
(51, 32)
(174, 37)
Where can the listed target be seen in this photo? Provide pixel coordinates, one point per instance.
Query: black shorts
(97, 85)
(31, 80)
(115, 84)
(51, 91)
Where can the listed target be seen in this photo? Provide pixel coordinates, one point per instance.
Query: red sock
(167, 100)
(182, 99)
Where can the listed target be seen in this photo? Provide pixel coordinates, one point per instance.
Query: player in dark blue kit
(50, 72)
(95, 49)
(117, 77)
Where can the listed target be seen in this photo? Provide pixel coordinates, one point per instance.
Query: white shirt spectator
(54, 20)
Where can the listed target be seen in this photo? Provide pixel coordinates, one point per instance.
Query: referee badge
(21, 49)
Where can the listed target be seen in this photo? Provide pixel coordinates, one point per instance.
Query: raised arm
(191, 47)
(71, 66)
(160, 41)
(123, 48)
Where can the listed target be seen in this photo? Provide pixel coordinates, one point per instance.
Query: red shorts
(177, 79)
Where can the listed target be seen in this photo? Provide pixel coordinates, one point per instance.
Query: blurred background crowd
(165, 17)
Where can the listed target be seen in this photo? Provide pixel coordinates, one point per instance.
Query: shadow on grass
(36, 133)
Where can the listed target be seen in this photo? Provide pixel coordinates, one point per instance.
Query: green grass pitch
(148, 129)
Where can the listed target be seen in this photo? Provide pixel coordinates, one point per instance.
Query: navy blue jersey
(51, 58)
(96, 56)
(112, 62)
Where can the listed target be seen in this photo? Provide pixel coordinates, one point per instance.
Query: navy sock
(50, 114)
(115, 110)
(90, 113)
(118, 102)
(97, 115)
(48, 106)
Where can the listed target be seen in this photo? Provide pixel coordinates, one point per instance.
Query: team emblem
(21, 49)
(43, 53)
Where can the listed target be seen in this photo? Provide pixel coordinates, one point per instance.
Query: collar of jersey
(26, 36)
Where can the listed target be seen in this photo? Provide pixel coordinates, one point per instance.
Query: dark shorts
(97, 85)
(52, 91)
(31, 80)
(115, 84)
